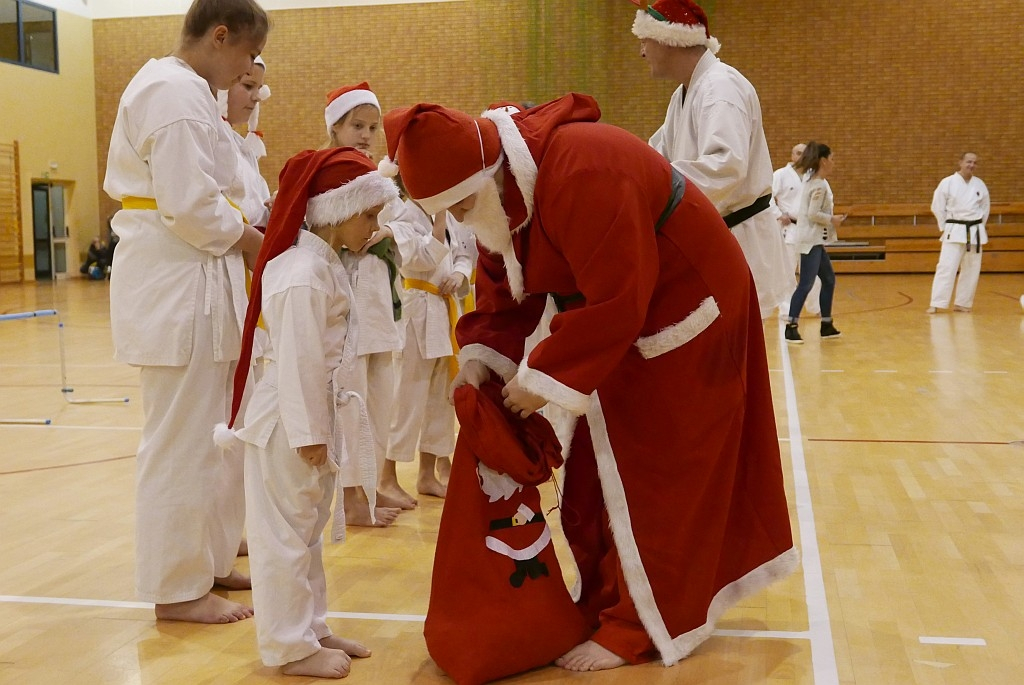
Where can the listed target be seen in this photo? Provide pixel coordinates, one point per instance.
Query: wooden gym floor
(904, 471)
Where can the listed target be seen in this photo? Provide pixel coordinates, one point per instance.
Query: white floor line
(54, 426)
(823, 653)
(965, 641)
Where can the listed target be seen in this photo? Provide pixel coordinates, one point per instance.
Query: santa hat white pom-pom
(387, 168)
(224, 437)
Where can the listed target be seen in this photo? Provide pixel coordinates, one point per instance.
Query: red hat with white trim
(678, 23)
(443, 155)
(341, 101)
(320, 187)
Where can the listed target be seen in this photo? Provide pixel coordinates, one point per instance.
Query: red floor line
(66, 466)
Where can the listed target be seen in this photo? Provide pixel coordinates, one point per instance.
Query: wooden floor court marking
(823, 653)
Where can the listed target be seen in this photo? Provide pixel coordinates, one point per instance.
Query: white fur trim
(514, 271)
(387, 168)
(520, 161)
(755, 581)
(678, 334)
(676, 35)
(670, 649)
(539, 383)
(458, 193)
(355, 197)
(492, 359)
(225, 437)
(345, 103)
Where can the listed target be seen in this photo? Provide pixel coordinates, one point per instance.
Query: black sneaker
(793, 335)
(829, 331)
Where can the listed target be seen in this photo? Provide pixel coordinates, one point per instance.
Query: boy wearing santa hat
(713, 133)
(674, 505)
(298, 421)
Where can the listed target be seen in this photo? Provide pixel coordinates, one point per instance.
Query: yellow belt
(469, 301)
(132, 202)
(453, 317)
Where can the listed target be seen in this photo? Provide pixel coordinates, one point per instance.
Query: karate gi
(302, 399)
(713, 134)
(423, 415)
(954, 202)
(380, 336)
(177, 301)
(786, 186)
(674, 505)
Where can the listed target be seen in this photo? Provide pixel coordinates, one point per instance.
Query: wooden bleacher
(904, 238)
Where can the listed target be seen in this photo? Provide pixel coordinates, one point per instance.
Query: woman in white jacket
(815, 226)
(175, 291)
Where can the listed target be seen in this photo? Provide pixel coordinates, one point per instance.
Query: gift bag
(498, 604)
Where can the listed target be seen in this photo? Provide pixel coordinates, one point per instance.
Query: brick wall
(898, 90)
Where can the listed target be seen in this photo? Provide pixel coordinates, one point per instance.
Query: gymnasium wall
(53, 118)
(898, 90)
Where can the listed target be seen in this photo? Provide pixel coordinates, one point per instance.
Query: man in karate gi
(713, 134)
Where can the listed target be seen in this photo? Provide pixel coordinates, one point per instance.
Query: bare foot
(444, 469)
(234, 581)
(931, 310)
(958, 308)
(589, 656)
(209, 608)
(359, 515)
(243, 548)
(350, 647)
(430, 485)
(396, 500)
(324, 663)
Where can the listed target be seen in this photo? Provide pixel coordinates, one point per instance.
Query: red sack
(498, 604)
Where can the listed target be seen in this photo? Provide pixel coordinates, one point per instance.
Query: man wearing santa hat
(713, 134)
(674, 505)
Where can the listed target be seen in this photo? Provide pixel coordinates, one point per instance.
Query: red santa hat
(678, 23)
(322, 187)
(341, 101)
(422, 135)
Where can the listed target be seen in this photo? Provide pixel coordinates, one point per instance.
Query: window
(28, 34)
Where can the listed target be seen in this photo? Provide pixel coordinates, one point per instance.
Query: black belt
(967, 224)
(500, 524)
(740, 215)
(562, 302)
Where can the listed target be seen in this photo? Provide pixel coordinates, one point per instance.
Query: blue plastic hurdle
(65, 389)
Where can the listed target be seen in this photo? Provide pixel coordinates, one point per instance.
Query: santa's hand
(520, 401)
(269, 203)
(314, 455)
(473, 373)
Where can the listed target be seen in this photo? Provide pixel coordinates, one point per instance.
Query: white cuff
(492, 359)
(540, 383)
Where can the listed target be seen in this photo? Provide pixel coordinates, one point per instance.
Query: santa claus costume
(674, 505)
(305, 396)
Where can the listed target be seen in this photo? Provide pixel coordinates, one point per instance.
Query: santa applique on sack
(498, 602)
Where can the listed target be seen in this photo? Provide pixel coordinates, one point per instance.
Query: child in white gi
(352, 116)
(297, 423)
(174, 304)
(436, 263)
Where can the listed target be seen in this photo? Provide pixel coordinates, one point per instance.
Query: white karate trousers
(374, 380)
(422, 414)
(189, 503)
(951, 256)
(289, 503)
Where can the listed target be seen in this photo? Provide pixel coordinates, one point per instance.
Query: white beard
(489, 224)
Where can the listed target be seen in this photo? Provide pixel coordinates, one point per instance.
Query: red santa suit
(674, 502)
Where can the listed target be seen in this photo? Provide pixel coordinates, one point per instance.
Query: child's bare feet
(394, 500)
(324, 663)
(359, 515)
(589, 656)
(444, 469)
(209, 608)
(428, 484)
(234, 581)
(350, 647)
